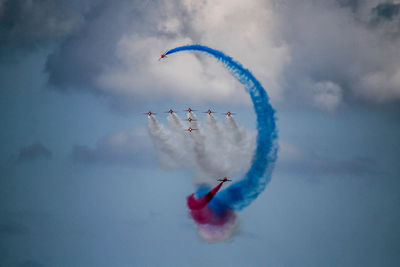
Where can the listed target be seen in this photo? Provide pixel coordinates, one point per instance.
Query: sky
(82, 183)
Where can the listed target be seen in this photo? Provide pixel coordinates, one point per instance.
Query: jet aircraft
(209, 112)
(149, 113)
(163, 56)
(170, 111)
(229, 113)
(225, 179)
(190, 129)
(189, 110)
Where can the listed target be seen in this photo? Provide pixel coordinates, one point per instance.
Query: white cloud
(319, 53)
(332, 43)
(184, 78)
(381, 86)
(248, 28)
(124, 147)
(327, 95)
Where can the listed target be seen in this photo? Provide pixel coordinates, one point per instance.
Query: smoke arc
(199, 203)
(240, 194)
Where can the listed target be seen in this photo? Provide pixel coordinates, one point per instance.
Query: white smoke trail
(236, 134)
(194, 123)
(242, 144)
(207, 169)
(217, 143)
(214, 132)
(162, 141)
(183, 142)
(212, 152)
(213, 233)
(176, 124)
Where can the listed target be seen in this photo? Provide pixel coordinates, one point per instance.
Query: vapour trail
(232, 127)
(163, 141)
(216, 133)
(176, 123)
(207, 151)
(242, 193)
(177, 130)
(203, 158)
(240, 145)
(217, 141)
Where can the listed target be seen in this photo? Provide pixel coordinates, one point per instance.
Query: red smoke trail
(214, 225)
(199, 203)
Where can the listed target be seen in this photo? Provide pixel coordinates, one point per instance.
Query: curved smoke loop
(213, 212)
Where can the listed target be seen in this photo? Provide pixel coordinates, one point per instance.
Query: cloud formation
(337, 44)
(33, 152)
(320, 54)
(28, 25)
(115, 52)
(387, 11)
(124, 147)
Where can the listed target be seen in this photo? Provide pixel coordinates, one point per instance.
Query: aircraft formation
(189, 111)
(190, 129)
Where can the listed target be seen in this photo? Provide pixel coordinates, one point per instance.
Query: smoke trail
(162, 141)
(217, 143)
(234, 131)
(211, 154)
(241, 144)
(199, 203)
(204, 150)
(214, 224)
(243, 192)
(176, 124)
(182, 141)
(208, 169)
(216, 134)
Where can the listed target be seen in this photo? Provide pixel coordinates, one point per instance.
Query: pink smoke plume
(215, 223)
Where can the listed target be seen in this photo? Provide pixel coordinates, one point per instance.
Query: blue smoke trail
(240, 194)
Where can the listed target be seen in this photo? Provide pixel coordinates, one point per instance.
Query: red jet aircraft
(149, 113)
(229, 113)
(190, 119)
(189, 110)
(225, 179)
(170, 111)
(209, 112)
(190, 129)
(163, 56)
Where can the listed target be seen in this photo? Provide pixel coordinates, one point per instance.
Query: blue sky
(76, 76)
